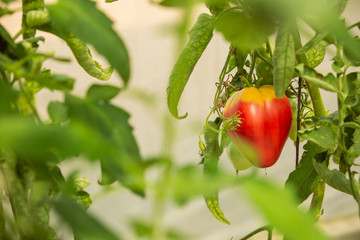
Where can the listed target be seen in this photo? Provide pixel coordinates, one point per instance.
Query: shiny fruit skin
(265, 123)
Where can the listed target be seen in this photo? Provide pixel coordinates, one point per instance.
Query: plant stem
(342, 134)
(252, 67)
(29, 5)
(158, 232)
(268, 47)
(298, 122)
(319, 111)
(319, 108)
(218, 91)
(267, 228)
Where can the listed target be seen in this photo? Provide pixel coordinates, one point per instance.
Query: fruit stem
(298, 122)
(252, 67)
(317, 101)
(217, 94)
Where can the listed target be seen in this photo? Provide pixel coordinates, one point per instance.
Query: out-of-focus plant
(93, 128)
(32, 148)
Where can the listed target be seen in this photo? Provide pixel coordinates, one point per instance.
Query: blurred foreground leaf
(111, 124)
(85, 227)
(279, 207)
(242, 30)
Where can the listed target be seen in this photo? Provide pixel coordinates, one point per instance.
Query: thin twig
(298, 122)
(267, 228)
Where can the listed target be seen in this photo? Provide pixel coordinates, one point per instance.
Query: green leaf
(265, 73)
(211, 159)
(58, 112)
(176, 3)
(243, 31)
(144, 229)
(84, 225)
(83, 199)
(283, 60)
(85, 59)
(105, 93)
(316, 54)
(352, 84)
(315, 41)
(354, 150)
(280, 208)
(328, 83)
(224, 141)
(6, 40)
(190, 181)
(212, 202)
(112, 124)
(200, 35)
(323, 136)
(55, 82)
(335, 179)
(26, 137)
(92, 26)
(304, 179)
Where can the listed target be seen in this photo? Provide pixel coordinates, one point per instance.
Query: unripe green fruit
(238, 159)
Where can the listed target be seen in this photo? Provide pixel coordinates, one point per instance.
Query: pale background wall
(145, 29)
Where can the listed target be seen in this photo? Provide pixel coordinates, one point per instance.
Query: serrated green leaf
(102, 92)
(112, 124)
(283, 60)
(92, 26)
(323, 136)
(304, 179)
(200, 35)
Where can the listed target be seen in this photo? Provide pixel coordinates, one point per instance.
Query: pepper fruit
(263, 126)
